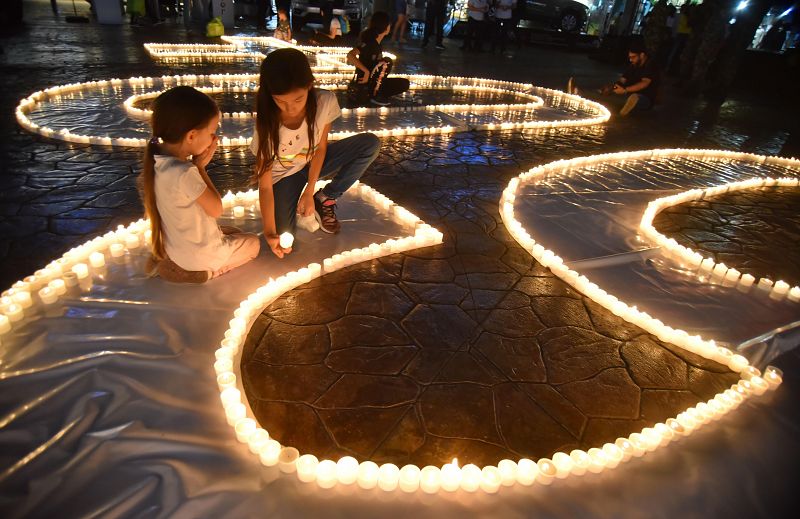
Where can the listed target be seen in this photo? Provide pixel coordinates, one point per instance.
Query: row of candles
(45, 287)
(718, 271)
(193, 50)
(235, 83)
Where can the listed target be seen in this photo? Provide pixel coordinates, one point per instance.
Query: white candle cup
(508, 472)
(598, 460)
(132, 241)
(230, 396)
(270, 453)
(451, 477)
(625, 447)
(14, 313)
(286, 240)
(781, 288)
(258, 440)
(58, 286)
(765, 284)
(288, 459)
(388, 477)
(430, 479)
(368, 473)
(23, 299)
(527, 471)
(81, 270)
(70, 279)
(490, 479)
(347, 470)
(222, 366)
(48, 295)
(97, 259)
(760, 386)
(547, 471)
(580, 462)
(326, 474)
(409, 478)
(235, 412)
(773, 376)
(470, 478)
(238, 211)
(226, 380)
(117, 250)
(563, 463)
(244, 428)
(307, 468)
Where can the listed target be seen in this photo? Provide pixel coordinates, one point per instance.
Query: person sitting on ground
(284, 29)
(372, 68)
(332, 26)
(290, 142)
(179, 198)
(639, 82)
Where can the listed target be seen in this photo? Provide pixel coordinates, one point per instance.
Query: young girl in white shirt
(292, 149)
(179, 198)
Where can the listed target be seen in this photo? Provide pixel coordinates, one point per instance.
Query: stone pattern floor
(465, 339)
(756, 231)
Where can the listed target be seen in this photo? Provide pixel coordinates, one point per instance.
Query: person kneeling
(372, 68)
(179, 198)
(290, 142)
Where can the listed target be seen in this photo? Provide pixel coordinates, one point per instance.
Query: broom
(76, 18)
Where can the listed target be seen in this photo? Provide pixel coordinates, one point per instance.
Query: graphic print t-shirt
(293, 152)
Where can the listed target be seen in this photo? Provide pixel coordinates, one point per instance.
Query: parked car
(563, 15)
(307, 11)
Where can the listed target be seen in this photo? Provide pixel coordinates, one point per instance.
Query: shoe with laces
(325, 212)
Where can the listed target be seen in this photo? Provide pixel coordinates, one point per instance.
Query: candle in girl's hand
(238, 211)
(286, 240)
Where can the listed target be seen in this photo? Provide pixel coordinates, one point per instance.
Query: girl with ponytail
(179, 198)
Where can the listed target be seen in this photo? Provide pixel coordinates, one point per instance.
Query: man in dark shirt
(639, 81)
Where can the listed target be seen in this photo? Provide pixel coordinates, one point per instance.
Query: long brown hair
(282, 71)
(175, 113)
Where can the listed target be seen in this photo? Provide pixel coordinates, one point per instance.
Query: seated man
(639, 82)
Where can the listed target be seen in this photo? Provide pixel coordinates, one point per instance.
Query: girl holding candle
(292, 152)
(179, 198)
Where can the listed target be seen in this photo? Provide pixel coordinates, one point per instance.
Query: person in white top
(476, 24)
(503, 22)
(179, 198)
(292, 152)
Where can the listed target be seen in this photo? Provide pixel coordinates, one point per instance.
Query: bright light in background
(786, 12)
(742, 5)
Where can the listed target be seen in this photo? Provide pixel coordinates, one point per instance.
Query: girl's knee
(372, 144)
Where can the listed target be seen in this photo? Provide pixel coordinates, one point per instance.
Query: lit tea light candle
(238, 211)
(409, 478)
(230, 396)
(580, 462)
(547, 471)
(470, 478)
(58, 286)
(598, 460)
(288, 459)
(258, 440)
(70, 279)
(326, 473)
(773, 376)
(81, 270)
(490, 479)
(132, 241)
(563, 463)
(508, 472)
(626, 448)
(48, 295)
(97, 259)
(23, 299)
(368, 473)
(451, 476)
(430, 479)
(117, 250)
(527, 470)
(270, 453)
(286, 240)
(760, 385)
(347, 470)
(14, 312)
(307, 468)
(781, 288)
(244, 428)
(226, 380)
(765, 284)
(388, 476)
(234, 413)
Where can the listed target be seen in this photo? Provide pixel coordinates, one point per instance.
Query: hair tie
(154, 140)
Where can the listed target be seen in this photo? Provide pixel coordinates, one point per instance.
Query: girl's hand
(274, 242)
(204, 158)
(305, 206)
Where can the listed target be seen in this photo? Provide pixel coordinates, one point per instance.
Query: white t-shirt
(480, 14)
(502, 9)
(293, 153)
(192, 238)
